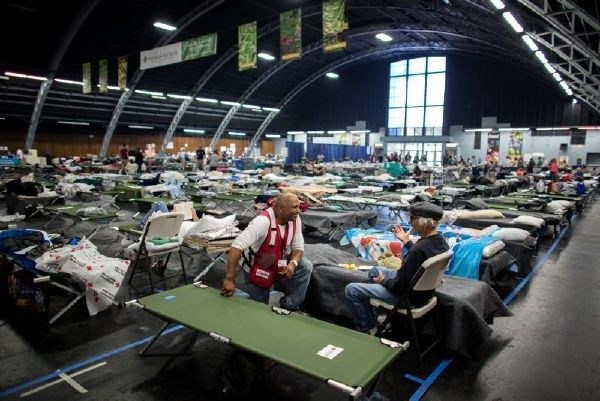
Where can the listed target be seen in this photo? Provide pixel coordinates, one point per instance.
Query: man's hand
(400, 233)
(228, 287)
(288, 270)
(379, 279)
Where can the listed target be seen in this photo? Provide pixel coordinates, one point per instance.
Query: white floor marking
(68, 379)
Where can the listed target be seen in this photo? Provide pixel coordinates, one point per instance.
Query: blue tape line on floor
(83, 363)
(445, 363)
(413, 378)
(430, 380)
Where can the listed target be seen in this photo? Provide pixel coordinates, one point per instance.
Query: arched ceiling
(32, 31)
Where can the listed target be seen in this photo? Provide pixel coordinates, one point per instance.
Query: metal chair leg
(182, 267)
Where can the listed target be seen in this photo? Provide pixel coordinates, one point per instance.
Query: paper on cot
(330, 351)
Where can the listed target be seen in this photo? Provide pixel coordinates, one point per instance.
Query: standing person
(124, 155)
(530, 166)
(320, 157)
(200, 154)
(139, 159)
(214, 160)
(271, 250)
(553, 167)
(387, 284)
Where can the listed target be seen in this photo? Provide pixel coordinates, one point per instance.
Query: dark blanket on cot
(466, 304)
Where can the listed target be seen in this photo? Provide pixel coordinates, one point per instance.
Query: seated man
(271, 248)
(388, 284)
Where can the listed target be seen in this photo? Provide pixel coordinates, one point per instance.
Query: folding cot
(73, 212)
(329, 221)
(345, 359)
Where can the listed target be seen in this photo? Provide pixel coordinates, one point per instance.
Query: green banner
(103, 75)
(201, 46)
(247, 46)
(290, 34)
(122, 72)
(515, 146)
(87, 77)
(335, 25)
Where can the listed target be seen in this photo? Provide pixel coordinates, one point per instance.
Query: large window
(431, 151)
(416, 103)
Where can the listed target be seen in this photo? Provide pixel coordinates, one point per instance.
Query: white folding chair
(427, 278)
(162, 225)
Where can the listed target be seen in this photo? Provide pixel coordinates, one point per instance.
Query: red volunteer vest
(264, 268)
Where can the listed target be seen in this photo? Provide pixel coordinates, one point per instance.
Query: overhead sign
(201, 46)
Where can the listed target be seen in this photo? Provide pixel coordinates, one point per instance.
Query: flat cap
(426, 209)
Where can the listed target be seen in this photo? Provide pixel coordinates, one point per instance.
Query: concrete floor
(549, 349)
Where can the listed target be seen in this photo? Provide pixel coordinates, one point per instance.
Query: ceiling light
(569, 92)
(551, 128)
(384, 37)
(17, 75)
(143, 92)
(257, 110)
(271, 109)
(550, 69)
(273, 136)
(230, 103)
(194, 131)
(564, 85)
(140, 127)
(541, 57)
(574, 101)
(332, 75)
(4, 77)
(237, 133)
(359, 131)
(295, 132)
(74, 122)
(164, 26)
(174, 96)
(512, 22)
(530, 43)
(315, 132)
(159, 97)
(498, 4)
(68, 81)
(478, 130)
(266, 56)
(337, 132)
(556, 76)
(250, 106)
(114, 88)
(207, 100)
(2, 118)
(512, 129)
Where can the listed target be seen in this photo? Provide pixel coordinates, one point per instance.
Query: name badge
(262, 274)
(282, 263)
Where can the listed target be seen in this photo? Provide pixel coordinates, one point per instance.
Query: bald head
(286, 207)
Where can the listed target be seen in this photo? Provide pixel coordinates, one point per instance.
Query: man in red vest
(271, 249)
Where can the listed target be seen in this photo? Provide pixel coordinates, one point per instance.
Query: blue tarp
(467, 257)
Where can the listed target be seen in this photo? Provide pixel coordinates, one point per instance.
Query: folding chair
(428, 277)
(163, 225)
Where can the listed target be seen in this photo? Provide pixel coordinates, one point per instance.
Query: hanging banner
(87, 77)
(247, 46)
(335, 25)
(515, 146)
(103, 76)
(122, 72)
(202, 46)
(493, 148)
(290, 34)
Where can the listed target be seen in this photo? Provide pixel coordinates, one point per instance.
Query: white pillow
(489, 230)
(511, 234)
(210, 223)
(493, 248)
(529, 221)
(481, 214)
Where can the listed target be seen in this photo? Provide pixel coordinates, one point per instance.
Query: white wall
(549, 145)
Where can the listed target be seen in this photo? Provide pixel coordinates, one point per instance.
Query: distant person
(553, 167)
(320, 158)
(530, 166)
(214, 160)
(124, 155)
(200, 155)
(139, 159)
